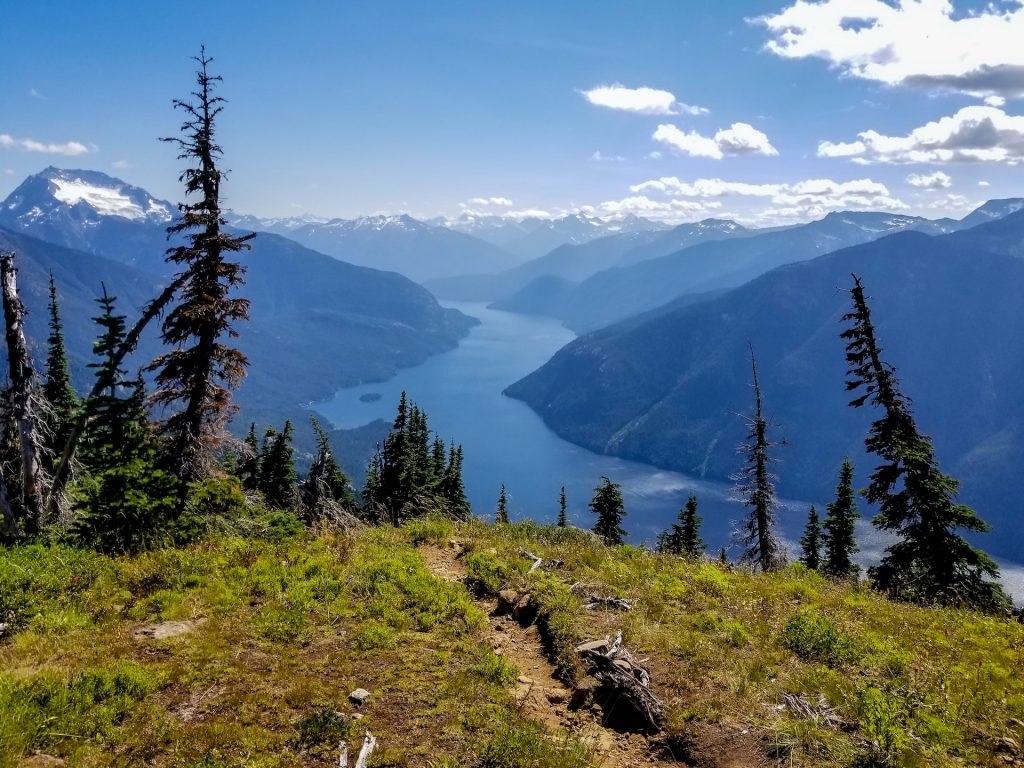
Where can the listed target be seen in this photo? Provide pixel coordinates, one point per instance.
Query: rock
(525, 611)
(525, 680)
(4, 626)
(593, 645)
(583, 693)
(359, 696)
(1008, 745)
(357, 716)
(556, 695)
(165, 629)
(507, 600)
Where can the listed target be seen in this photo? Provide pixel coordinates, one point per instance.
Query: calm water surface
(506, 442)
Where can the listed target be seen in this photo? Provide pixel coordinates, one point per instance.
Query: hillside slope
(668, 389)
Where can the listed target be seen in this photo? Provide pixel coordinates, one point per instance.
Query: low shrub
(814, 637)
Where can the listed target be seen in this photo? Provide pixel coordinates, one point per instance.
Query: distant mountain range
(532, 237)
(317, 323)
(724, 259)
(666, 388)
(579, 262)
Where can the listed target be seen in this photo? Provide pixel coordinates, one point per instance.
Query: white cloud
(937, 180)
(907, 42)
(737, 139)
(974, 134)
(70, 148)
(994, 101)
(643, 101)
(598, 157)
(35, 94)
(810, 198)
(120, 164)
(984, 184)
(9, 171)
(656, 210)
(499, 201)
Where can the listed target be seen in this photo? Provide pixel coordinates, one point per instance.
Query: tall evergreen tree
(453, 490)
(755, 488)
(563, 517)
(277, 470)
(438, 462)
(125, 503)
(810, 542)
(840, 528)
(57, 389)
(501, 514)
(683, 538)
(249, 464)
(325, 481)
(196, 376)
(608, 506)
(689, 533)
(930, 562)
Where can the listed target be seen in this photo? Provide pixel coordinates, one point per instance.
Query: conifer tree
(840, 527)
(810, 542)
(249, 465)
(683, 538)
(723, 558)
(126, 503)
(755, 488)
(277, 470)
(57, 389)
(453, 490)
(608, 506)
(325, 481)
(930, 562)
(689, 533)
(438, 462)
(501, 515)
(196, 376)
(563, 518)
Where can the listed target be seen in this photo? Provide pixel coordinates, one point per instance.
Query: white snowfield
(107, 201)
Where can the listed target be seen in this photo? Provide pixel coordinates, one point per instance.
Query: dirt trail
(540, 695)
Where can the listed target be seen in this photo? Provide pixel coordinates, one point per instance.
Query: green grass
(281, 623)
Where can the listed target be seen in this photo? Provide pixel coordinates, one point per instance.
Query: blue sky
(348, 108)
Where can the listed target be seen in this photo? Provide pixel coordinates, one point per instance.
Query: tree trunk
(22, 385)
(7, 509)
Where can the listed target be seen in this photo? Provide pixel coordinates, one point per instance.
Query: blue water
(506, 442)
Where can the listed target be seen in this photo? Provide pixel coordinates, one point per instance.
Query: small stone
(359, 696)
(556, 695)
(525, 680)
(357, 715)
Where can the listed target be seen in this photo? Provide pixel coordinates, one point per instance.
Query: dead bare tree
(22, 387)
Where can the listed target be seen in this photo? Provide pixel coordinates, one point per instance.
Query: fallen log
(530, 556)
(625, 679)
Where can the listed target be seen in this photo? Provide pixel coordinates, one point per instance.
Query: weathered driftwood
(819, 712)
(597, 601)
(369, 742)
(22, 387)
(625, 678)
(530, 556)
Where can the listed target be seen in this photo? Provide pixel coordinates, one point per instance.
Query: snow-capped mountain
(276, 225)
(400, 243)
(90, 211)
(990, 211)
(533, 237)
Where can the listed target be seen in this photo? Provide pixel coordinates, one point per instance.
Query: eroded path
(539, 693)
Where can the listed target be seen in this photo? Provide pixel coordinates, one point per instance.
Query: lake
(506, 442)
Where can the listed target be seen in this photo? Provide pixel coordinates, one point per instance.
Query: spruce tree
(930, 562)
(278, 478)
(755, 488)
(438, 463)
(331, 479)
(810, 542)
(563, 518)
(608, 506)
(690, 541)
(683, 538)
(453, 490)
(196, 376)
(249, 464)
(840, 527)
(57, 389)
(125, 503)
(501, 514)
